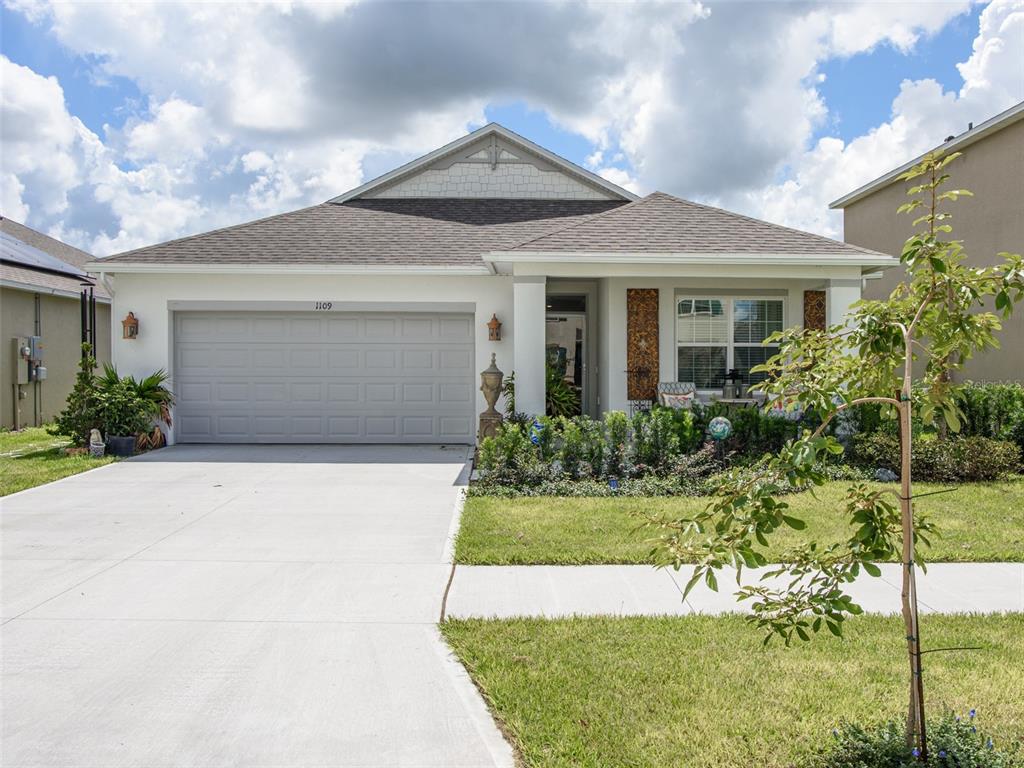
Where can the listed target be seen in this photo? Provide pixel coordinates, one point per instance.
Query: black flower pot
(120, 446)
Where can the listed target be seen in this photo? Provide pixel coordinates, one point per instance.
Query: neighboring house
(41, 280)
(992, 167)
(365, 318)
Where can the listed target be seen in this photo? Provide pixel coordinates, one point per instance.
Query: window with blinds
(714, 335)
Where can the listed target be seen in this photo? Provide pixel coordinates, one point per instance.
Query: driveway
(238, 606)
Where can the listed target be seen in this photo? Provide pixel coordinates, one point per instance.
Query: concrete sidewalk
(635, 590)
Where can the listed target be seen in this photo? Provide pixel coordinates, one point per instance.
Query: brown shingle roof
(54, 247)
(403, 232)
(661, 223)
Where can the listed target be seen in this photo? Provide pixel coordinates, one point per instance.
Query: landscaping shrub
(593, 444)
(616, 433)
(509, 458)
(655, 441)
(952, 742)
(943, 461)
(572, 456)
(994, 410)
(81, 413)
(754, 432)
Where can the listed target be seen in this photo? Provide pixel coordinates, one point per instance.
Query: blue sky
(202, 116)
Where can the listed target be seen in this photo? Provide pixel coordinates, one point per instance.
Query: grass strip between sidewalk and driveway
(979, 522)
(32, 457)
(700, 691)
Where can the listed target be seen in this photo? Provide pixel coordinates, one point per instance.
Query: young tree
(936, 316)
(81, 412)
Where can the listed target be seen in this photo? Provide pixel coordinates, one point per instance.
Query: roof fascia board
(121, 267)
(990, 126)
(28, 288)
(787, 259)
(422, 162)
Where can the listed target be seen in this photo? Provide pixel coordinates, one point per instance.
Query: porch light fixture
(494, 328)
(130, 327)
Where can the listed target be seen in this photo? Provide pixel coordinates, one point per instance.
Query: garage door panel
(250, 377)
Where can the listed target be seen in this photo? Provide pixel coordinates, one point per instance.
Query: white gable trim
(422, 163)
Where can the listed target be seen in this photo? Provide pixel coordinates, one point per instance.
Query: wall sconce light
(494, 328)
(130, 326)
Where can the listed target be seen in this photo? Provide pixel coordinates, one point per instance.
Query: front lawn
(979, 522)
(699, 691)
(33, 457)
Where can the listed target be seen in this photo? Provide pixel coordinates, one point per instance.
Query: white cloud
(40, 158)
(258, 108)
(923, 114)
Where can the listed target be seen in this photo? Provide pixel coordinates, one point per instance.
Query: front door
(565, 348)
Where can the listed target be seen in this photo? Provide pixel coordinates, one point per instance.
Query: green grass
(699, 691)
(33, 457)
(979, 523)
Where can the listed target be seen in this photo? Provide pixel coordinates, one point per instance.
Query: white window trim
(730, 345)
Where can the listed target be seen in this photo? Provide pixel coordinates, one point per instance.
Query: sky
(127, 124)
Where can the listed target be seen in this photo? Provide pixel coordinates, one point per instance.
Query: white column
(529, 313)
(839, 295)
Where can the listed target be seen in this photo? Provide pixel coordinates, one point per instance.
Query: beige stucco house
(41, 280)
(992, 167)
(365, 318)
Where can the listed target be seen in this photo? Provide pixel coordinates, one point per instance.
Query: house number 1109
(324, 305)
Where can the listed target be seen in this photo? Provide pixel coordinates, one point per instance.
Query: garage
(323, 377)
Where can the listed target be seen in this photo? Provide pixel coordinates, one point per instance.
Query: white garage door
(336, 377)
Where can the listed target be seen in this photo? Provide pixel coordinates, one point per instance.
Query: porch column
(529, 313)
(839, 295)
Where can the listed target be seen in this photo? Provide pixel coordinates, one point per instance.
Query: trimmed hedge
(957, 459)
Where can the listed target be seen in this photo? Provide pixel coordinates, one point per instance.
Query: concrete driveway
(238, 606)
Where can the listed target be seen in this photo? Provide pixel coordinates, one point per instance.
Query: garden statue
(490, 385)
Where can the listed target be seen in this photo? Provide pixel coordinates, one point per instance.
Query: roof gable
(491, 162)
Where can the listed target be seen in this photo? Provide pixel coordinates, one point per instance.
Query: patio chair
(677, 394)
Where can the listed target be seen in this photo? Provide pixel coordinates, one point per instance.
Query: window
(716, 334)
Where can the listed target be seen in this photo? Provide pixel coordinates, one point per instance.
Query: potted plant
(123, 414)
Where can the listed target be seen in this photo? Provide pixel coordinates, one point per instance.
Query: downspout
(37, 389)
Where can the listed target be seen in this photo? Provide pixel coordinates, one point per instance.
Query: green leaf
(834, 628)
(692, 582)
(711, 581)
(794, 522)
(872, 569)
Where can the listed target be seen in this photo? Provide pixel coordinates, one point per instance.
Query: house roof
(495, 129)
(965, 139)
(663, 224)
(34, 261)
(412, 232)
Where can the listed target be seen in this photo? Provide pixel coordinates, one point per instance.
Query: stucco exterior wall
(507, 180)
(153, 299)
(990, 222)
(61, 332)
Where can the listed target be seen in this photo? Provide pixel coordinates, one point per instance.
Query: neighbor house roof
(32, 261)
(411, 232)
(955, 144)
(663, 224)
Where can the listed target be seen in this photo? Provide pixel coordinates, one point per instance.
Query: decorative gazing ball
(720, 428)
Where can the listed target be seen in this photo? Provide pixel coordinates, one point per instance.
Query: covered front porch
(615, 331)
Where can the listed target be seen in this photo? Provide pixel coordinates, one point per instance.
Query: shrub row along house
(366, 318)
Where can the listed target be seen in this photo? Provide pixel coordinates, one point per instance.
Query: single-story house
(365, 318)
(41, 282)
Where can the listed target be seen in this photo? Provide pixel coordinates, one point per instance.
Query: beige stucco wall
(990, 222)
(61, 331)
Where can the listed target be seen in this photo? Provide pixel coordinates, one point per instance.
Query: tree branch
(858, 401)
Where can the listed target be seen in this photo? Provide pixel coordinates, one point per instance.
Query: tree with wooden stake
(936, 317)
